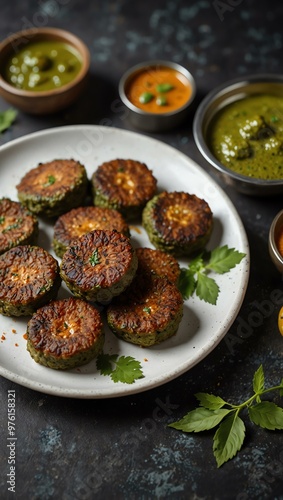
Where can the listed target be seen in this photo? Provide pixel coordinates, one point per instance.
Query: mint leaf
(186, 283)
(258, 382)
(207, 289)
(281, 390)
(104, 363)
(7, 118)
(222, 259)
(267, 415)
(228, 439)
(199, 420)
(210, 401)
(127, 370)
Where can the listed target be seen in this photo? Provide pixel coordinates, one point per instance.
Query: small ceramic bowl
(276, 229)
(45, 101)
(216, 100)
(156, 121)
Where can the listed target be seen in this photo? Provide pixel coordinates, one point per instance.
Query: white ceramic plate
(203, 325)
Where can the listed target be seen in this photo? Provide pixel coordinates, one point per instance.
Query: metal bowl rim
(198, 123)
(147, 64)
(271, 239)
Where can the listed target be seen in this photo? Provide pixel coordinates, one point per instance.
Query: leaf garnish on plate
(123, 369)
(229, 437)
(194, 279)
(7, 118)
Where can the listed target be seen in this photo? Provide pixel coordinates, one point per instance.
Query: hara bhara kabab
(82, 220)
(53, 188)
(125, 185)
(158, 262)
(29, 278)
(99, 265)
(65, 334)
(148, 312)
(18, 226)
(178, 223)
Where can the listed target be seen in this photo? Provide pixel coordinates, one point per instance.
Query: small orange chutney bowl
(158, 94)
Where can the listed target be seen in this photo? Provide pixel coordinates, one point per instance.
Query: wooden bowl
(45, 101)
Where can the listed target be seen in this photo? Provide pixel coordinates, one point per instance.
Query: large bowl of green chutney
(43, 70)
(238, 128)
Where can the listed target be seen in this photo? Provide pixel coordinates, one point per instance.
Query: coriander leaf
(7, 118)
(104, 363)
(127, 370)
(197, 264)
(94, 258)
(267, 415)
(258, 381)
(186, 283)
(207, 289)
(281, 390)
(222, 259)
(228, 439)
(199, 420)
(50, 181)
(210, 401)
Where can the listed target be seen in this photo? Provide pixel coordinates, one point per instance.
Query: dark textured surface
(122, 448)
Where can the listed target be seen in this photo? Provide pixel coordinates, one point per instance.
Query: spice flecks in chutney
(247, 136)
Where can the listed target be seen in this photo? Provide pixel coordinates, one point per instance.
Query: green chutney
(43, 65)
(247, 136)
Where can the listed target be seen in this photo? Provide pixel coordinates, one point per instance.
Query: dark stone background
(122, 448)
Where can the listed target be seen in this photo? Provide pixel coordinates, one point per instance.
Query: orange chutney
(279, 241)
(280, 321)
(159, 89)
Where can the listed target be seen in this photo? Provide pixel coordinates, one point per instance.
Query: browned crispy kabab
(18, 226)
(158, 262)
(29, 278)
(82, 220)
(125, 185)
(148, 312)
(65, 334)
(53, 188)
(178, 223)
(99, 265)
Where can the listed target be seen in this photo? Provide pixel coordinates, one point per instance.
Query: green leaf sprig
(194, 278)
(214, 411)
(7, 118)
(123, 369)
